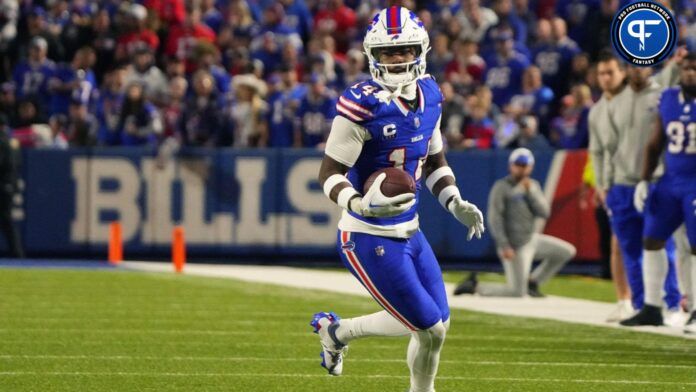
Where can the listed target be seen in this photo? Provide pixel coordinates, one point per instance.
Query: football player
(672, 201)
(392, 120)
(630, 116)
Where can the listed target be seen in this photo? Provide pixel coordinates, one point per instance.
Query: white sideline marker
(571, 310)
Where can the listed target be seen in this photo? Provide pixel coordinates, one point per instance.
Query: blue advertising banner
(230, 202)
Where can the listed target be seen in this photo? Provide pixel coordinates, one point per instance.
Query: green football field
(108, 330)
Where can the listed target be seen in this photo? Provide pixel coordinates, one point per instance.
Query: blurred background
(212, 115)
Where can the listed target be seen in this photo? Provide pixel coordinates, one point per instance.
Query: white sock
(691, 300)
(423, 357)
(375, 324)
(625, 303)
(654, 275)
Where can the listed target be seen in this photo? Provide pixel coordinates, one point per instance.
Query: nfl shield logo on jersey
(416, 122)
(379, 250)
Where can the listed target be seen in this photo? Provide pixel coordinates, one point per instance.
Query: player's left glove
(640, 195)
(469, 215)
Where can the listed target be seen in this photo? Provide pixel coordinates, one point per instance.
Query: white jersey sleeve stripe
(354, 106)
(347, 113)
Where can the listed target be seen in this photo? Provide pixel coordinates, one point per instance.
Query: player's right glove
(469, 215)
(375, 204)
(640, 195)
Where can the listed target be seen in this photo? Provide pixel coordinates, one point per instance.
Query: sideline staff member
(8, 181)
(513, 205)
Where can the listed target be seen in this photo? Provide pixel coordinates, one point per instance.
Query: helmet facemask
(395, 74)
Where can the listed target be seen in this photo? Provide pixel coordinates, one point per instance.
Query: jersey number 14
(398, 156)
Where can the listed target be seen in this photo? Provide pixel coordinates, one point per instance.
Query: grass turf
(63, 330)
(582, 287)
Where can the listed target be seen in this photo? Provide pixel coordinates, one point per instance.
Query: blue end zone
(54, 264)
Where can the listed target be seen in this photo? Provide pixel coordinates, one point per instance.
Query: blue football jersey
(399, 137)
(60, 101)
(108, 112)
(315, 114)
(555, 63)
(33, 81)
(280, 125)
(504, 77)
(679, 124)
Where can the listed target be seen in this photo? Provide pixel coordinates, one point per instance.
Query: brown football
(396, 183)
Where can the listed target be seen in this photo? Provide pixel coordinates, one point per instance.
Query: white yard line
(667, 350)
(225, 332)
(552, 308)
(366, 360)
(370, 376)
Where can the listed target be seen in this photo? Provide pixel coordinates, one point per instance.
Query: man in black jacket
(8, 180)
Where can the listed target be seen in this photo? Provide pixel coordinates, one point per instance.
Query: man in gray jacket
(514, 204)
(618, 136)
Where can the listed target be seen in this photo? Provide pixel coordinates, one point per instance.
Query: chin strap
(395, 94)
(387, 96)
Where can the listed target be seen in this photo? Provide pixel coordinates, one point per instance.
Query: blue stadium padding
(54, 264)
(49, 200)
(288, 214)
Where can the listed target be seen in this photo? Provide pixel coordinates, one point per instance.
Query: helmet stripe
(394, 20)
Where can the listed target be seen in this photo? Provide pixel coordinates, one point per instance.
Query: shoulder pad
(430, 87)
(428, 76)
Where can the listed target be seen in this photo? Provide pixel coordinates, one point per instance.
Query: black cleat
(467, 286)
(690, 326)
(533, 290)
(649, 315)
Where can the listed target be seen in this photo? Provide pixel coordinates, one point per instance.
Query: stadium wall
(249, 202)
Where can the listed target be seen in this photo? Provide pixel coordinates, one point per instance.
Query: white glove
(375, 204)
(640, 195)
(469, 215)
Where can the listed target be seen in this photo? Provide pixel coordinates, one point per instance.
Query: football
(396, 183)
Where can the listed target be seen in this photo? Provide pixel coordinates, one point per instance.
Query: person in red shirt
(466, 65)
(479, 127)
(137, 35)
(184, 38)
(338, 21)
(169, 12)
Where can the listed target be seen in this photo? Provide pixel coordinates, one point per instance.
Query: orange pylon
(178, 249)
(115, 243)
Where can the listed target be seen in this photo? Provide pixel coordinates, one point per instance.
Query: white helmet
(396, 26)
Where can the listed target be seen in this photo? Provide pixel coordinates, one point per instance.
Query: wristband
(332, 181)
(435, 176)
(447, 193)
(344, 197)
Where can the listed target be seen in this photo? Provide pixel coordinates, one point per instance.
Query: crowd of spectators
(261, 73)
